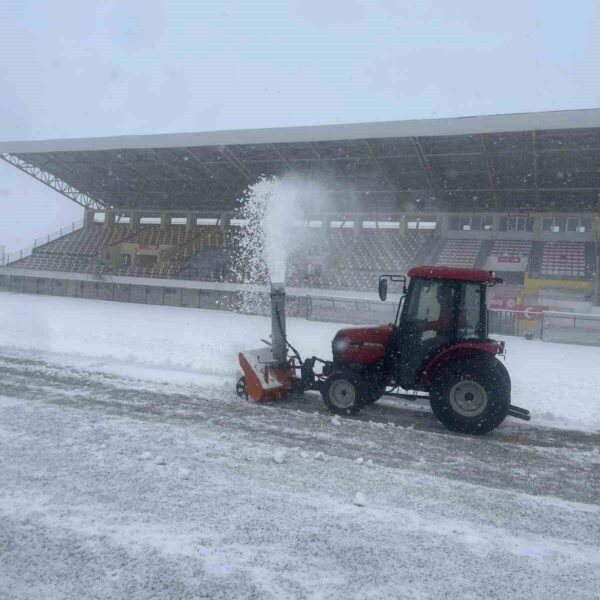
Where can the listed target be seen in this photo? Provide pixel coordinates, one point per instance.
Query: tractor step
(411, 397)
(519, 413)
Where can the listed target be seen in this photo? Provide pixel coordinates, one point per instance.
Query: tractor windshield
(433, 304)
(471, 316)
(430, 314)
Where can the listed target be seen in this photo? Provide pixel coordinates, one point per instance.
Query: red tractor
(438, 345)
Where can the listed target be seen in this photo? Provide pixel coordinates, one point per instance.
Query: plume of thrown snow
(272, 209)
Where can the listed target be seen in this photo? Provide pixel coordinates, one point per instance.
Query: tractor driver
(443, 324)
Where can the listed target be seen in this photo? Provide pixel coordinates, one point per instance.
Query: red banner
(525, 311)
(499, 303)
(530, 312)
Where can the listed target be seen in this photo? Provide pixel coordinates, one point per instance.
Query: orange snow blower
(268, 374)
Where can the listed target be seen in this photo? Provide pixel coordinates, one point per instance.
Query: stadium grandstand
(518, 194)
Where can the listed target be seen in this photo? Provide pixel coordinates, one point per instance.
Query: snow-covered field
(128, 469)
(557, 382)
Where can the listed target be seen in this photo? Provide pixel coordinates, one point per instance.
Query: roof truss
(57, 184)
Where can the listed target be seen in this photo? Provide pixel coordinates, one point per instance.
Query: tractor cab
(444, 309)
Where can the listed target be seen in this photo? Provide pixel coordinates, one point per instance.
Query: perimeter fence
(571, 328)
(550, 326)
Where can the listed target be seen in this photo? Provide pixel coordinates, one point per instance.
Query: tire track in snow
(525, 458)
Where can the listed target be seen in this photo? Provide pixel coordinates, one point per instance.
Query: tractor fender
(456, 352)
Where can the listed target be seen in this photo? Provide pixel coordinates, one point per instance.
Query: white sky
(80, 68)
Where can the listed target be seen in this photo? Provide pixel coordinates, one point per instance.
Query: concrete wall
(142, 293)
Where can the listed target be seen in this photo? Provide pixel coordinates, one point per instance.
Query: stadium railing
(350, 310)
(552, 326)
(571, 328)
(10, 257)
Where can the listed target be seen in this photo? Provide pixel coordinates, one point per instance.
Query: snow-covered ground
(557, 382)
(128, 469)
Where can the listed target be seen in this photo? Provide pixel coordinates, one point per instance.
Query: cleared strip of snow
(557, 382)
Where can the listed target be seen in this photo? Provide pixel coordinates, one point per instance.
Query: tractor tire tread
(488, 372)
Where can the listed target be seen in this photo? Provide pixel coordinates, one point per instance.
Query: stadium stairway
(430, 249)
(484, 253)
(535, 259)
(591, 260)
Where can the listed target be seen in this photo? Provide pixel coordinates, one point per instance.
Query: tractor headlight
(341, 344)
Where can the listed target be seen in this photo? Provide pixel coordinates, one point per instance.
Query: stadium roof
(533, 161)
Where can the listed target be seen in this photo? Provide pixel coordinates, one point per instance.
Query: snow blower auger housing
(437, 349)
(267, 373)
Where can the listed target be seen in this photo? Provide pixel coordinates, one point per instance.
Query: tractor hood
(380, 333)
(361, 344)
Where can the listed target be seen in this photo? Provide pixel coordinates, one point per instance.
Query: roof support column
(442, 224)
(536, 170)
(135, 218)
(326, 224)
(88, 217)
(496, 224)
(109, 218)
(402, 226)
(225, 223)
(190, 222)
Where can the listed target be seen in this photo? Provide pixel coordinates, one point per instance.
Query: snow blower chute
(268, 374)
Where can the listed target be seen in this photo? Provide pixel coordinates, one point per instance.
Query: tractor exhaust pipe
(278, 337)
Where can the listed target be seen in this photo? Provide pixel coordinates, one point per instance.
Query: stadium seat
(459, 253)
(564, 259)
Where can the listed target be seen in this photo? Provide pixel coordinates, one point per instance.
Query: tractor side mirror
(383, 288)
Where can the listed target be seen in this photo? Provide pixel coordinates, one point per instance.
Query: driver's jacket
(444, 321)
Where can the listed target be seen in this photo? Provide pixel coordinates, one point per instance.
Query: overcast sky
(80, 68)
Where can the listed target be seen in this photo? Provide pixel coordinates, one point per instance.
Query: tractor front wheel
(471, 396)
(342, 394)
(373, 393)
(241, 390)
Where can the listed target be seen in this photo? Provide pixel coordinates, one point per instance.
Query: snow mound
(279, 457)
(359, 499)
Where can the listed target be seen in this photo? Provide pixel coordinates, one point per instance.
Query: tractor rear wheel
(471, 396)
(342, 394)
